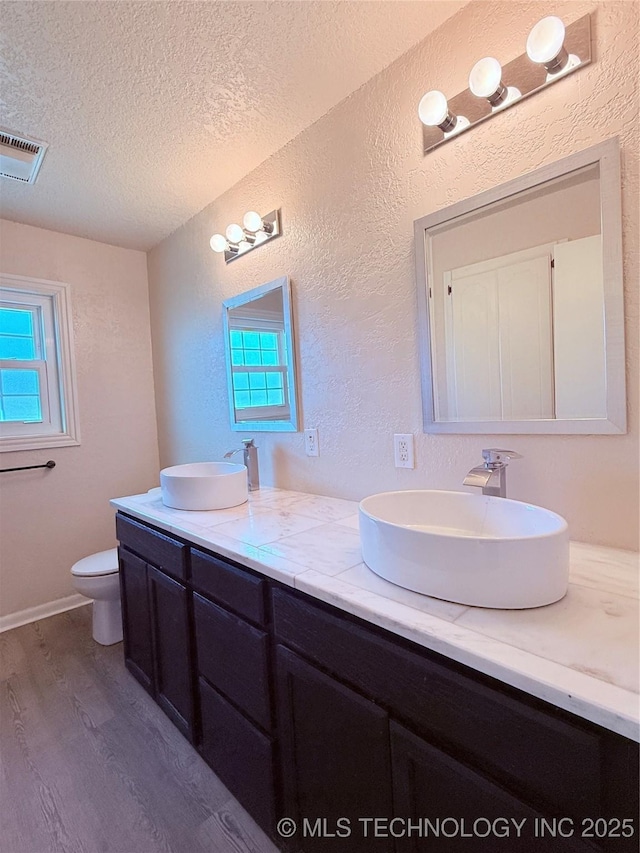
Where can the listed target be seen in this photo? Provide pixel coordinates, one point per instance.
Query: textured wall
(350, 187)
(49, 519)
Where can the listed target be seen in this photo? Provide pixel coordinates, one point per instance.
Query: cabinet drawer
(239, 754)
(233, 656)
(231, 586)
(162, 551)
(540, 755)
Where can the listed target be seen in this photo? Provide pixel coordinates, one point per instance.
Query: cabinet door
(466, 811)
(335, 754)
(136, 623)
(171, 646)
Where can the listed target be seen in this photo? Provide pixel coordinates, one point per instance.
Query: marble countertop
(581, 653)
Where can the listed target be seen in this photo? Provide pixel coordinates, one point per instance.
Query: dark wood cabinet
(168, 605)
(230, 586)
(544, 757)
(164, 552)
(309, 713)
(136, 622)
(463, 745)
(335, 759)
(233, 656)
(234, 675)
(155, 617)
(430, 785)
(241, 755)
(193, 638)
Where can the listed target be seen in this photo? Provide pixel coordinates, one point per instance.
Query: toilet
(97, 577)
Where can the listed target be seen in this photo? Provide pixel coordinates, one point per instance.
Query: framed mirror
(520, 304)
(260, 359)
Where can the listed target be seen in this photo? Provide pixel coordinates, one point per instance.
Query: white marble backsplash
(581, 653)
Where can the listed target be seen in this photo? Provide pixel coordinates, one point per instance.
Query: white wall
(50, 519)
(349, 188)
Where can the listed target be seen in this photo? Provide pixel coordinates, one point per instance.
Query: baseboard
(42, 611)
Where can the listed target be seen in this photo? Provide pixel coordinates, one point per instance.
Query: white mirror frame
(290, 425)
(607, 156)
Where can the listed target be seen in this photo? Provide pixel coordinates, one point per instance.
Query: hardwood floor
(90, 764)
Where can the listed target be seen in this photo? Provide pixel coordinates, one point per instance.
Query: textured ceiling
(153, 109)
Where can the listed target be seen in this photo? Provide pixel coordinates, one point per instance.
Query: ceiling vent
(20, 158)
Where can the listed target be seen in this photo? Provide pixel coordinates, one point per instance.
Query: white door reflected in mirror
(520, 295)
(516, 348)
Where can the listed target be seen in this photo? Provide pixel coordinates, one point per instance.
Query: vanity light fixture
(485, 81)
(257, 230)
(553, 50)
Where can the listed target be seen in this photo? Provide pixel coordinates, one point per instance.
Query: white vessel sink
(471, 549)
(204, 485)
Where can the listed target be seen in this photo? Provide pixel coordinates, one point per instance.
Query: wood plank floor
(90, 764)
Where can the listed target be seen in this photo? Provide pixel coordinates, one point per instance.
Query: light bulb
(218, 243)
(486, 77)
(485, 81)
(252, 221)
(545, 44)
(434, 112)
(234, 233)
(433, 109)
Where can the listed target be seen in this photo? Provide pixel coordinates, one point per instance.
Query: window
(37, 390)
(263, 385)
(259, 371)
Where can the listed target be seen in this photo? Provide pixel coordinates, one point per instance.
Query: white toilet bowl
(97, 577)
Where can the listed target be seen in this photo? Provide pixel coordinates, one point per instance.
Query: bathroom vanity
(307, 711)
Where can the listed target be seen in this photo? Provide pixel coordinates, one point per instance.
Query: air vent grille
(14, 177)
(21, 144)
(20, 158)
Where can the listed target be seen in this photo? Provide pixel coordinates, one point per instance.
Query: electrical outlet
(403, 450)
(311, 442)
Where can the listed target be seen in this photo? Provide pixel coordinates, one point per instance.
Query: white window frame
(59, 395)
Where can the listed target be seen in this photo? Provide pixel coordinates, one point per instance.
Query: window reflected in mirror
(259, 350)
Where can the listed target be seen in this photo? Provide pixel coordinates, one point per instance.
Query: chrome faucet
(250, 460)
(492, 476)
